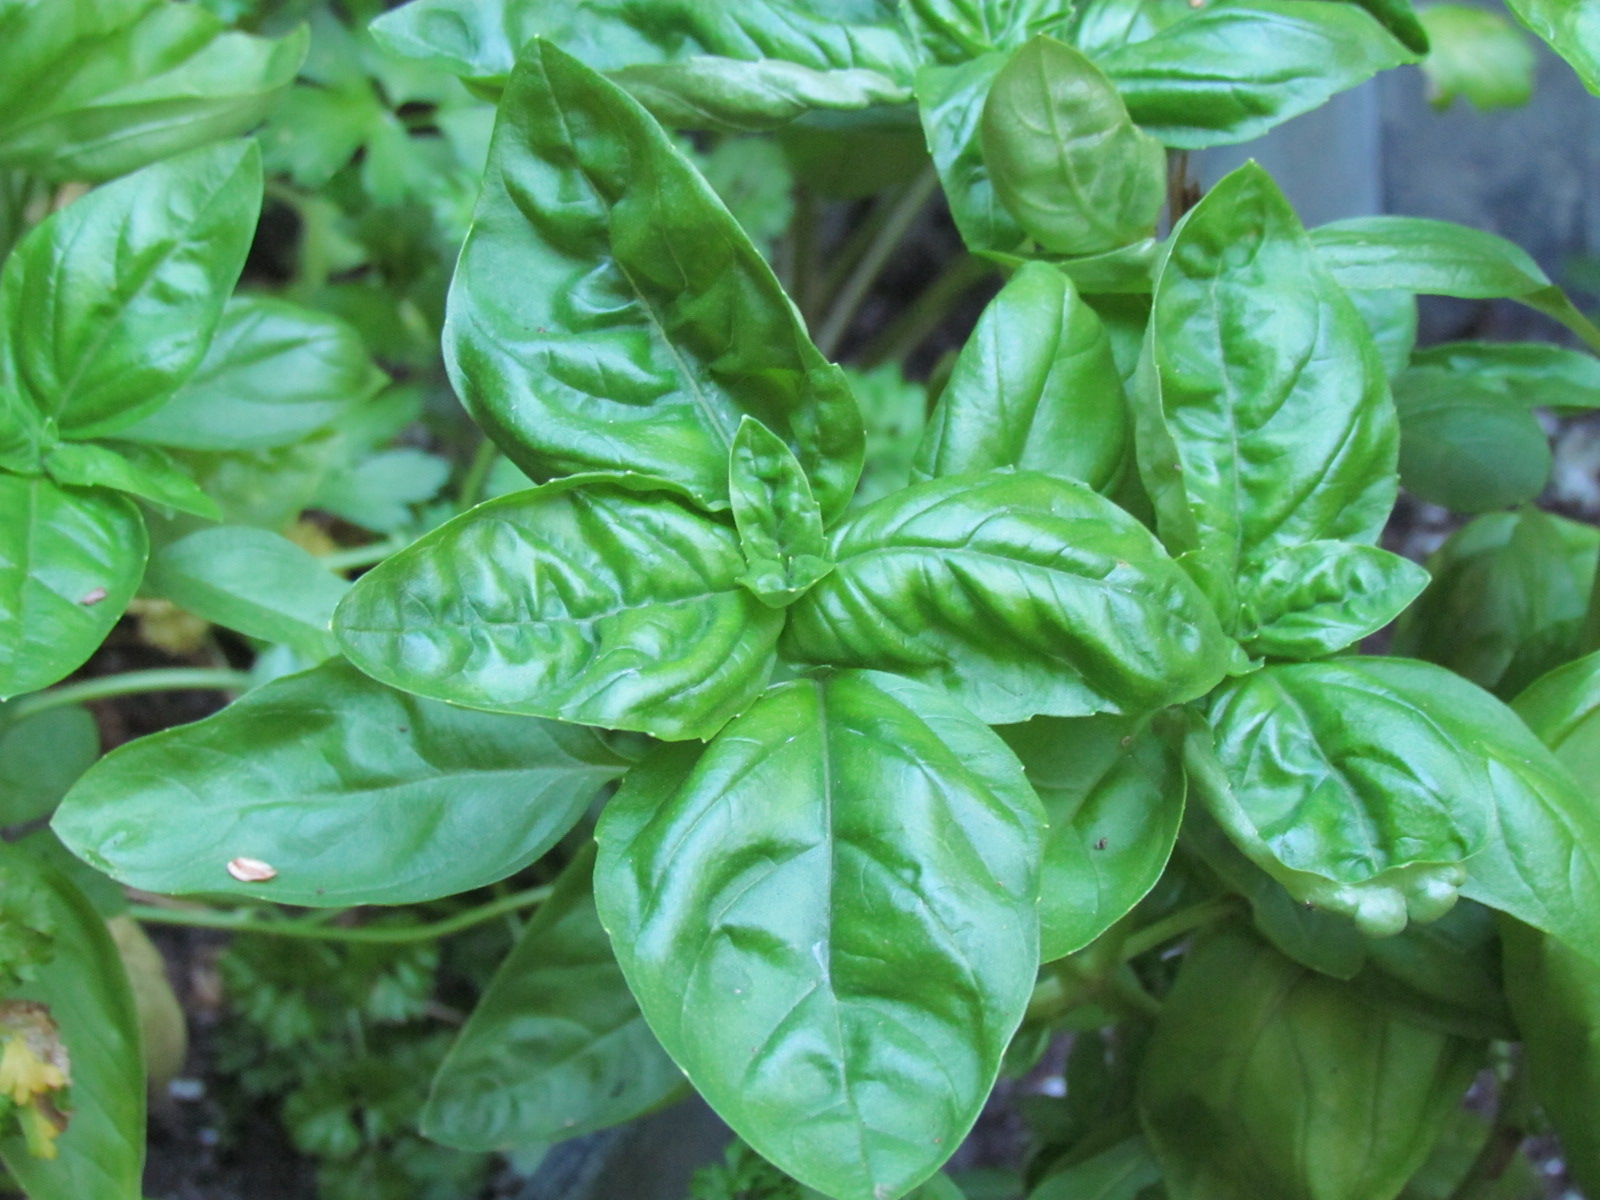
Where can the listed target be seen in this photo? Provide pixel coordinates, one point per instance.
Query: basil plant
(889, 785)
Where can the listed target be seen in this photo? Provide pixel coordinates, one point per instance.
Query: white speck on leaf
(93, 597)
(251, 870)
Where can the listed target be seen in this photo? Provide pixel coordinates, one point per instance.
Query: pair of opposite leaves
(878, 715)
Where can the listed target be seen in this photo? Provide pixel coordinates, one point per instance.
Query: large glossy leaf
(1572, 27)
(481, 40)
(1019, 593)
(608, 313)
(275, 373)
(581, 600)
(1113, 791)
(1266, 1079)
(1415, 254)
(1359, 783)
(93, 90)
(101, 1153)
(950, 101)
(1466, 447)
(1507, 601)
(1263, 414)
(353, 792)
(780, 526)
(1314, 599)
(557, 1046)
(829, 919)
(1236, 68)
(256, 582)
(107, 306)
(1079, 176)
(70, 560)
(1036, 388)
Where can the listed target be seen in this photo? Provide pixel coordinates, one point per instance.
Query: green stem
(363, 556)
(1177, 924)
(896, 341)
(843, 307)
(207, 918)
(477, 476)
(174, 679)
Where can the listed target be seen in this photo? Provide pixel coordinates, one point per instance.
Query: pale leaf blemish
(92, 598)
(251, 870)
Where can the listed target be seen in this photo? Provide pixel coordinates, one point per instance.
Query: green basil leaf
(1391, 318)
(1036, 387)
(108, 305)
(1535, 374)
(1236, 68)
(557, 1046)
(101, 1153)
(1364, 1097)
(829, 918)
(780, 526)
(1064, 156)
(1445, 975)
(142, 471)
(1262, 411)
(1479, 55)
(1507, 601)
(1467, 447)
(275, 373)
(1019, 593)
(40, 758)
(1319, 938)
(1541, 863)
(1555, 994)
(1319, 597)
(1561, 707)
(733, 94)
(1437, 258)
(90, 90)
(953, 31)
(1113, 792)
(1554, 989)
(1358, 783)
(589, 320)
(253, 581)
(353, 792)
(951, 102)
(1571, 27)
(1120, 1173)
(481, 40)
(580, 600)
(70, 560)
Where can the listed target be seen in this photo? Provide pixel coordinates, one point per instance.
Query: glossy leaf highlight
(581, 600)
(829, 920)
(354, 793)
